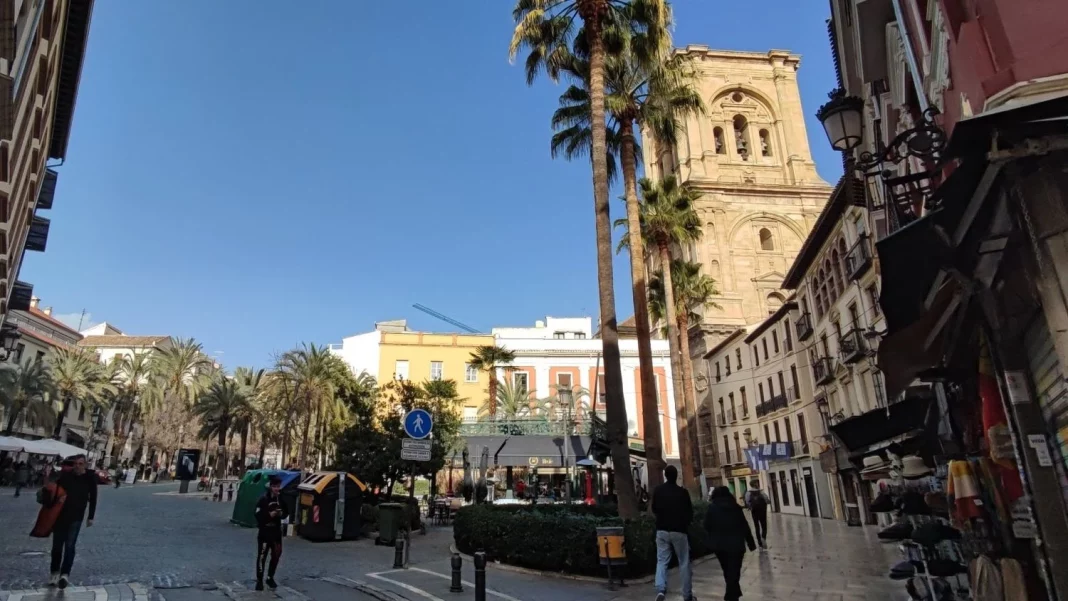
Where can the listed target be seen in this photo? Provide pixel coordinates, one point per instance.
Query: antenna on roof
(445, 318)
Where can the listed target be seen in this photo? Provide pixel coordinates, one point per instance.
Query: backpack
(759, 502)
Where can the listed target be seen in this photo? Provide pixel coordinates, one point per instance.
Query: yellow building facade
(393, 352)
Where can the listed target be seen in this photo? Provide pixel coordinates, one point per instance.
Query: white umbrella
(12, 444)
(52, 448)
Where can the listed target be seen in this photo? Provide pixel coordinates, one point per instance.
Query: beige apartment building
(42, 46)
(763, 404)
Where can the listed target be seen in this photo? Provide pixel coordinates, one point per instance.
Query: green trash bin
(390, 521)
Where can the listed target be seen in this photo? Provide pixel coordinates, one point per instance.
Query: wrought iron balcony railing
(859, 258)
(852, 346)
(822, 370)
(804, 327)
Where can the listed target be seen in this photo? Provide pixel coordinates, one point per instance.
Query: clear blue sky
(256, 176)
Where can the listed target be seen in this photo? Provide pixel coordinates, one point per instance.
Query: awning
(525, 451)
(907, 352)
(885, 423)
(910, 258)
(972, 136)
(12, 444)
(54, 448)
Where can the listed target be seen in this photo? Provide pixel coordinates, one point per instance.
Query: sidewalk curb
(565, 576)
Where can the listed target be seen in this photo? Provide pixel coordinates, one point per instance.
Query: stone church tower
(750, 158)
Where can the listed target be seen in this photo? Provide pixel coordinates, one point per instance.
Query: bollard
(480, 576)
(398, 554)
(457, 566)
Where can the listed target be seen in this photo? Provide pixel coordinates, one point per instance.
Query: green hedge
(556, 539)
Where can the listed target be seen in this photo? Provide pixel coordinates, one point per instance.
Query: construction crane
(445, 318)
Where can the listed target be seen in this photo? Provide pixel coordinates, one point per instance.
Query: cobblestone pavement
(171, 543)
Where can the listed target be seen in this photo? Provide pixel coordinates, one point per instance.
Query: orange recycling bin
(610, 546)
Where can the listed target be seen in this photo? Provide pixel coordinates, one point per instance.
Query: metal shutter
(1051, 392)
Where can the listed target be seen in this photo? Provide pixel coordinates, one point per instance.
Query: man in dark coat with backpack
(758, 502)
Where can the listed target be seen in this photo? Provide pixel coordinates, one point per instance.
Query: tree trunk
(62, 417)
(244, 446)
(304, 441)
(11, 422)
(689, 396)
(654, 450)
(681, 410)
(616, 408)
(493, 392)
(220, 458)
(263, 453)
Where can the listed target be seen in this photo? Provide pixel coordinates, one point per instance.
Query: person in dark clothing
(729, 535)
(80, 487)
(270, 511)
(758, 502)
(22, 476)
(674, 512)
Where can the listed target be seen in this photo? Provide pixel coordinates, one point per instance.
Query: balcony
(851, 346)
(822, 370)
(793, 394)
(772, 405)
(48, 190)
(37, 237)
(21, 293)
(859, 258)
(804, 327)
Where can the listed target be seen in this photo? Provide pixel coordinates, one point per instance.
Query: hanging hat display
(913, 466)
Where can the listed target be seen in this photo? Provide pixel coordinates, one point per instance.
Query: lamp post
(842, 119)
(564, 398)
(9, 340)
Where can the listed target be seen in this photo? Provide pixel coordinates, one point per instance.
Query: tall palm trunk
(654, 450)
(689, 397)
(244, 445)
(11, 419)
(592, 12)
(62, 417)
(304, 440)
(493, 393)
(220, 459)
(677, 361)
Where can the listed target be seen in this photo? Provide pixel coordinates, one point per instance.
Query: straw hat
(913, 466)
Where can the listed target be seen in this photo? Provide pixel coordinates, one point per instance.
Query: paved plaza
(148, 546)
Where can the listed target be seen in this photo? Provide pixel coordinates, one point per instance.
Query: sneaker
(259, 585)
(271, 583)
(53, 579)
(660, 597)
(63, 581)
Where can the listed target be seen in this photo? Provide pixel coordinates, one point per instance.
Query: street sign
(411, 444)
(418, 423)
(415, 450)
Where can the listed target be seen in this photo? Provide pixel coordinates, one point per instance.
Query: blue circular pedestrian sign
(418, 423)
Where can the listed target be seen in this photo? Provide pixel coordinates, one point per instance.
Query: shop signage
(740, 471)
(1038, 443)
(542, 462)
(415, 450)
(1016, 384)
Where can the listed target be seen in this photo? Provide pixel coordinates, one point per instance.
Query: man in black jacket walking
(674, 512)
(270, 511)
(80, 487)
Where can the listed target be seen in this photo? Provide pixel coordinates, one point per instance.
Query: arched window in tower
(775, 302)
(765, 143)
(741, 136)
(767, 242)
(721, 148)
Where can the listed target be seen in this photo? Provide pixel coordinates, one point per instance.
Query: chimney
(34, 302)
(48, 311)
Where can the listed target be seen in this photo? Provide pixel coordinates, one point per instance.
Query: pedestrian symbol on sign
(418, 424)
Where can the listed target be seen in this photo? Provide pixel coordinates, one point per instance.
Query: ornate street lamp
(843, 120)
(9, 340)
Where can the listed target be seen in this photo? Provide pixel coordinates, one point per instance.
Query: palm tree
(513, 402)
(548, 28)
(183, 370)
(137, 393)
(25, 388)
(693, 290)
(554, 407)
(667, 218)
(645, 87)
(488, 359)
(312, 374)
(77, 375)
(251, 382)
(218, 408)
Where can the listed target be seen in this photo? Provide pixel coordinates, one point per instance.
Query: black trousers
(731, 563)
(760, 526)
(265, 548)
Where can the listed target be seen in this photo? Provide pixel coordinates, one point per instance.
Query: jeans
(64, 539)
(760, 525)
(731, 563)
(679, 542)
(265, 548)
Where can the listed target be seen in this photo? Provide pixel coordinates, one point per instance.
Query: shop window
(717, 133)
(765, 143)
